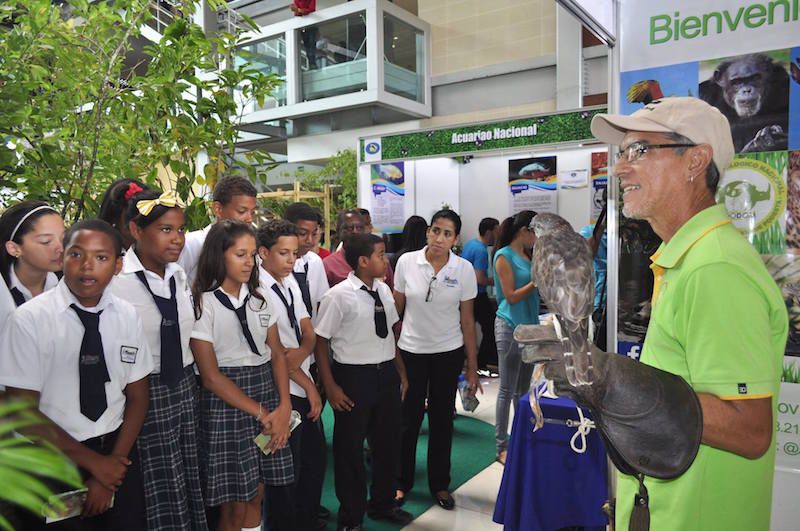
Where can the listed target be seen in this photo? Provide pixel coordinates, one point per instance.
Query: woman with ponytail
(114, 206)
(517, 303)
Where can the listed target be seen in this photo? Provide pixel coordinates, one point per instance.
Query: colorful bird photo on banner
(640, 87)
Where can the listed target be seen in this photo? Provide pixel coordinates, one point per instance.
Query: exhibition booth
(546, 163)
(710, 50)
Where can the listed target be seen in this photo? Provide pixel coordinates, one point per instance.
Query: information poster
(533, 184)
(599, 183)
(388, 197)
(572, 178)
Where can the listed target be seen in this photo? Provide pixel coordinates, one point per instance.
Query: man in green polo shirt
(718, 318)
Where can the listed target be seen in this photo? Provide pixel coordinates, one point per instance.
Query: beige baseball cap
(691, 117)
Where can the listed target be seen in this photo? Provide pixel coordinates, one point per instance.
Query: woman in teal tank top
(517, 303)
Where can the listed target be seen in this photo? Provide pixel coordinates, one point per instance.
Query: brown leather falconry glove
(650, 419)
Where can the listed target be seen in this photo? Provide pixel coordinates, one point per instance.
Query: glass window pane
(403, 59)
(333, 57)
(268, 56)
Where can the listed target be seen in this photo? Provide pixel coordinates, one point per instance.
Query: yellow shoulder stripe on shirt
(745, 397)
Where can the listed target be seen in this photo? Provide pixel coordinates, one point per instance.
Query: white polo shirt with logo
(433, 326)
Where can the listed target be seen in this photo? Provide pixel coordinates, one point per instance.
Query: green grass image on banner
(791, 373)
(771, 241)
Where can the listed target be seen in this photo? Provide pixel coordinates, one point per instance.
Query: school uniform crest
(128, 354)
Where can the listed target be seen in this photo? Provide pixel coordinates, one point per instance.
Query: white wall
(321, 147)
(484, 188)
(436, 183)
(480, 189)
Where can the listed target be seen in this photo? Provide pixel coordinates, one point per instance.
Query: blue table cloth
(546, 485)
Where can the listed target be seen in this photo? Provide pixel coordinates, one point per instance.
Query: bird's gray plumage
(562, 269)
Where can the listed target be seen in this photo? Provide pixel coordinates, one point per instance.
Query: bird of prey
(562, 269)
(644, 92)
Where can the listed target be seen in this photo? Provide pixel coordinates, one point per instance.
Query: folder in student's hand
(263, 439)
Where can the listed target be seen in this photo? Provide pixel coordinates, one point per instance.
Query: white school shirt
(190, 254)
(434, 326)
(285, 330)
(41, 348)
(347, 318)
(7, 304)
(317, 279)
(219, 326)
(127, 286)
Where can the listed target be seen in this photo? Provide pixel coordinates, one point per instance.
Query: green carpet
(473, 450)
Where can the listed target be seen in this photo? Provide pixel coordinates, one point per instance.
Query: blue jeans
(515, 379)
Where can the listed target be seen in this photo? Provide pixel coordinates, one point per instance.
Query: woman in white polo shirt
(434, 292)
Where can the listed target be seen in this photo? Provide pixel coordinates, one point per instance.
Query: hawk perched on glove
(562, 269)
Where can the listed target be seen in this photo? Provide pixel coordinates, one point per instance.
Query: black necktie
(302, 281)
(290, 311)
(380, 313)
(171, 348)
(19, 298)
(92, 369)
(241, 314)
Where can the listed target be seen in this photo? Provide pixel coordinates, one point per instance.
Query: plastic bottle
(468, 400)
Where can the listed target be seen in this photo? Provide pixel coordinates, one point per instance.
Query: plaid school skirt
(168, 453)
(232, 465)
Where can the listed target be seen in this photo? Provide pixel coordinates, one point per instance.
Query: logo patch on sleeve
(742, 388)
(128, 354)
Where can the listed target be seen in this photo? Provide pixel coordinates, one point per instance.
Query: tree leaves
(86, 101)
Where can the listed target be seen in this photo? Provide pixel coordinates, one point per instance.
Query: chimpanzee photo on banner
(759, 93)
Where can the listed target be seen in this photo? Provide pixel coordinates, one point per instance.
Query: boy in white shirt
(309, 272)
(277, 248)
(308, 269)
(233, 198)
(365, 383)
(87, 372)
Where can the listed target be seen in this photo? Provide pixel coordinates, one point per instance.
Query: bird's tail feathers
(577, 354)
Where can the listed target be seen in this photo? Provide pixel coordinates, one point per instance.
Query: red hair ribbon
(132, 190)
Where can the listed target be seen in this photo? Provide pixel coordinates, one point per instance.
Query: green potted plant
(26, 463)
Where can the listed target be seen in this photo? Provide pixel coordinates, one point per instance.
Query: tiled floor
(475, 498)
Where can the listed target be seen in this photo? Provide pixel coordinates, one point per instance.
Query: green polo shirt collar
(671, 252)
